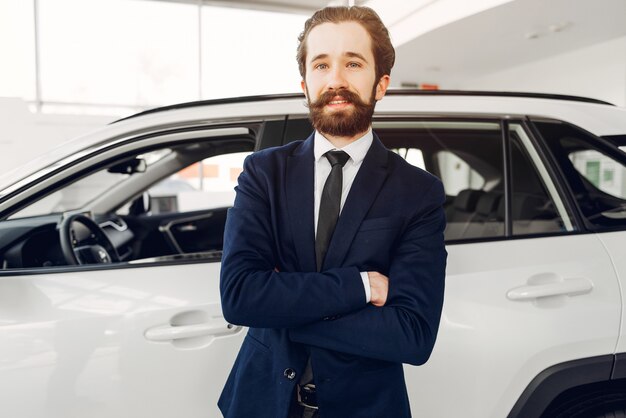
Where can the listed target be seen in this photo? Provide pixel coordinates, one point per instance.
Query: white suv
(109, 300)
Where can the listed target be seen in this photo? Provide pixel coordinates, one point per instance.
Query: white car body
(149, 340)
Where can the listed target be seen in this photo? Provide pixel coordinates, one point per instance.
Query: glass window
(602, 172)
(119, 52)
(596, 172)
(536, 207)
(467, 157)
(18, 57)
(248, 52)
(78, 194)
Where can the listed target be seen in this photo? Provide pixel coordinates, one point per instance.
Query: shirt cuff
(366, 286)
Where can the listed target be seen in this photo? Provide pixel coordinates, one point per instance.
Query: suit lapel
(368, 181)
(300, 201)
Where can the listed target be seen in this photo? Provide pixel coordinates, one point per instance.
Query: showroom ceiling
(447, 42)
(506, 36)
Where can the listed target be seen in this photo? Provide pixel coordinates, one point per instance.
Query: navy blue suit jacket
(392, 222)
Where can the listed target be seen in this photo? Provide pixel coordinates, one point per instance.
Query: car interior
(105, 215)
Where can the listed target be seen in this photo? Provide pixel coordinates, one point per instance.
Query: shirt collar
(356, 149)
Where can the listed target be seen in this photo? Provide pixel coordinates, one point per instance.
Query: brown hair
(384, 54)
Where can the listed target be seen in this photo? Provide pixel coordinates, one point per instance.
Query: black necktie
(330, 204)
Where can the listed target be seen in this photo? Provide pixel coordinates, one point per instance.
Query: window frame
(539, 164)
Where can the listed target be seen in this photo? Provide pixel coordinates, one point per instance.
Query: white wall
(598, 71)
(25, 135)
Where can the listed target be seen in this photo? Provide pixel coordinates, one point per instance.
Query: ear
(381, 87)
(303, 86)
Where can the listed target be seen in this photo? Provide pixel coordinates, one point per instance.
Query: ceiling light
(559, 27)
(531, 35)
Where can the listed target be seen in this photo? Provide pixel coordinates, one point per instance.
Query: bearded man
(333, 251)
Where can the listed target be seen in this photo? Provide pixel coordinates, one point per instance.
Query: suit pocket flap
(389, 222)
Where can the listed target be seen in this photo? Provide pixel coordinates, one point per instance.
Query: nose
(337, 79)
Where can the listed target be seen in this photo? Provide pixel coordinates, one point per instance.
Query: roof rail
(497, 94)
(391, 92)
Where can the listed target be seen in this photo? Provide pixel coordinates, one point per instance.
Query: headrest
(466, 199)
(488, 203)
(525, 207)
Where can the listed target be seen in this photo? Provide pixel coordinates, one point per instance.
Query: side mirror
(140, 205)
(132, 166)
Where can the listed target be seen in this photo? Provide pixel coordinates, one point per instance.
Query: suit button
(290, 374)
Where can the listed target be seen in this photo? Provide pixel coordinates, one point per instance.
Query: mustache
(328, 96)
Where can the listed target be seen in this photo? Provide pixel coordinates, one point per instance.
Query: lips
(338, 100)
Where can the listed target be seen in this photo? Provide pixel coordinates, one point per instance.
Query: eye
(321, 66)
(354, 65)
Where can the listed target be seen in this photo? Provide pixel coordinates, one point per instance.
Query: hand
(379, 286)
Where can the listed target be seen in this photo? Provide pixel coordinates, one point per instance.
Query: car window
(468, 158)
(594, 170)
(536, 205)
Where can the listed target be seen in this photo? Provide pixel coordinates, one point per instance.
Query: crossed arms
(328, 309)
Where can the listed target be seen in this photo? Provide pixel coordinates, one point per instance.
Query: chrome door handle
(577, 286)
(187, 228)
(169, 332)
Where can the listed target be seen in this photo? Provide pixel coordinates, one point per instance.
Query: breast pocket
(374, 243)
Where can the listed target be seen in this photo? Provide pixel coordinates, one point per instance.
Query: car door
(526, 288)
(119, 340)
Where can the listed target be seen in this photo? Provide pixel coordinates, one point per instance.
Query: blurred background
(71, 66)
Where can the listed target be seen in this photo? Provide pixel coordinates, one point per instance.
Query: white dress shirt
(356, 150)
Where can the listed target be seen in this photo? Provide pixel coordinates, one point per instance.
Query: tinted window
(467, 157)
(536, 207)
(594, 170)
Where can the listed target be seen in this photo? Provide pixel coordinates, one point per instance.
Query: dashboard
(34, 242)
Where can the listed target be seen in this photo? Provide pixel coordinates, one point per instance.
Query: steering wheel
(95, 249)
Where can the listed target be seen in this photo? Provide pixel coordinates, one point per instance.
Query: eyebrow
(347, 54)
(355, 55)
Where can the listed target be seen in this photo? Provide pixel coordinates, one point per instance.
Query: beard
(344, 123)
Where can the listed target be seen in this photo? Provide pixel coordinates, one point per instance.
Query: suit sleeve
(253, 293)
(405, 329)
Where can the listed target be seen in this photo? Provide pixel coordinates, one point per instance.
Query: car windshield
(79, 193)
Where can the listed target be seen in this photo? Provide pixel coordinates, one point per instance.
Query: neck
(342, 141)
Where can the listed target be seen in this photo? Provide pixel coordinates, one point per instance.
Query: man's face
(340, 82)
